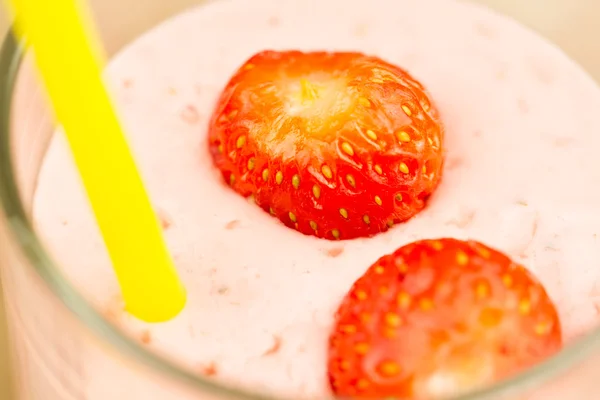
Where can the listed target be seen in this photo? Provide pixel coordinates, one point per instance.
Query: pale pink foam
(522, 175)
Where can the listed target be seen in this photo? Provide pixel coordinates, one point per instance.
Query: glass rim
(12, 53)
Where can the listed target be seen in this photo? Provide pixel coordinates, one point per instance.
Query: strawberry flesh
(439, 318)
(335, 145)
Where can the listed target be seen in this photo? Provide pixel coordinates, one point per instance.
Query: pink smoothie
(521, 175)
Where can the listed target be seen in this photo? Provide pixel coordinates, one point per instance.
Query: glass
(56, 334)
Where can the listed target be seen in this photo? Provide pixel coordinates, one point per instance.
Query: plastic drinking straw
(69, 58)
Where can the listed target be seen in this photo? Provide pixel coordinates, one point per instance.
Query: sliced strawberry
(336, 145)
(437, 318)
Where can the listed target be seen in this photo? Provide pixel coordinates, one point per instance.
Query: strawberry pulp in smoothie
(519, 174)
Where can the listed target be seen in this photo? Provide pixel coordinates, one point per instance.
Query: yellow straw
(68, 56)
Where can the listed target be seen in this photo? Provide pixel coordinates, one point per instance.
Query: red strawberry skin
(438, 318)
(335, 145)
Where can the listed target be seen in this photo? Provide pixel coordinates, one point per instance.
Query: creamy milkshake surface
(521, 175)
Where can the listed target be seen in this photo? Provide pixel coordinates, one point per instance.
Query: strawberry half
(439, 318)
(336, 145)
